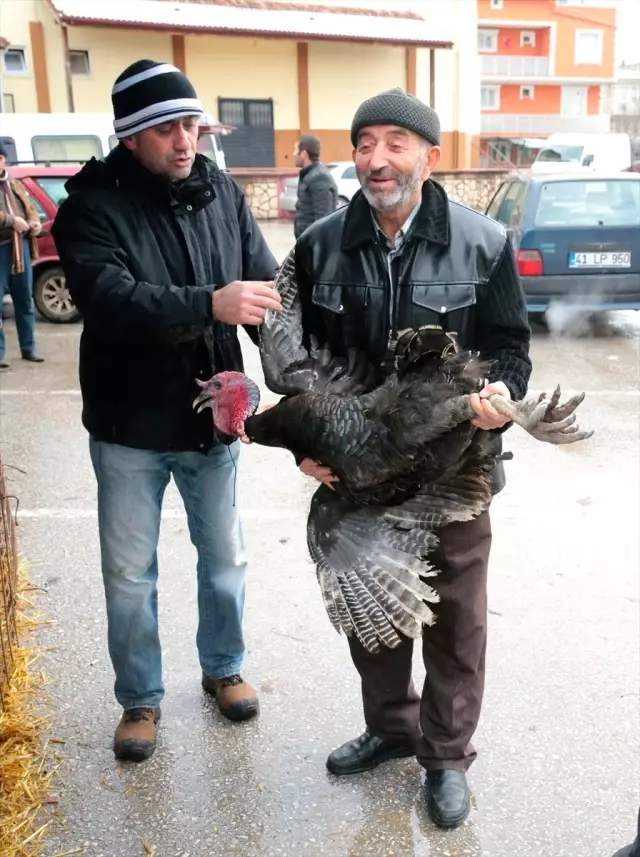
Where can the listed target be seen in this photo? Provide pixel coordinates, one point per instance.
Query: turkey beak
(203, 400)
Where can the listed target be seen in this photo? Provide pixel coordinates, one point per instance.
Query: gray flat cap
(397, 107)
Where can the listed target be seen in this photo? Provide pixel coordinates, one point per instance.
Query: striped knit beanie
(396, 107)
(149, 93)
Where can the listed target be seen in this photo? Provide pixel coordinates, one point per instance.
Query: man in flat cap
(402, 255)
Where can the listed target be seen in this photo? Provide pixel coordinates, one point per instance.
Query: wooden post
(179, 54)
(67, 69)
(36, 37)
(303, 87)
(432, 78)
(411, 83)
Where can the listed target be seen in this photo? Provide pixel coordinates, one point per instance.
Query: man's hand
(488, 418)
(313, 468)
(20, 225)
(245, 302)
(35, 227)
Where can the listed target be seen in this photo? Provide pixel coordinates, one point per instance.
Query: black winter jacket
(317, 196)
(142, 257)
(457, 270)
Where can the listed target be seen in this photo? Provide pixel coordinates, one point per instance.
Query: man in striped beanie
(164, 259)
(153, 95)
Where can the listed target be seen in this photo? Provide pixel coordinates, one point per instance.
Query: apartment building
(544, 67)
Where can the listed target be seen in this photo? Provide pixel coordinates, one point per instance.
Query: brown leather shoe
(135, 738)
(236, 699)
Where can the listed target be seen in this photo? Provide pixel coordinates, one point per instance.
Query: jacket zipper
(385, 262)
(392, 301)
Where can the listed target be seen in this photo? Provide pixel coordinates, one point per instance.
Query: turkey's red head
(232, 397)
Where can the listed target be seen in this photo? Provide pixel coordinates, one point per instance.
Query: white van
(584, 153)
(55, 138)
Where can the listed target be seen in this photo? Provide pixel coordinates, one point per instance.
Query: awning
(233, 20)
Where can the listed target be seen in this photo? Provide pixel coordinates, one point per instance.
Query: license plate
(600, 260)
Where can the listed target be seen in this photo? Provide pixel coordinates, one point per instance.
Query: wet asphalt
(558, 768)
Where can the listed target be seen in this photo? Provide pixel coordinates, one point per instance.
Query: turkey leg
(548, 421)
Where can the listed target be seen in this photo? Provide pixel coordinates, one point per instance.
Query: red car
(45, 186)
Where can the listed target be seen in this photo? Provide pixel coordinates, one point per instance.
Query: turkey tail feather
(373, 561)
(372, 584)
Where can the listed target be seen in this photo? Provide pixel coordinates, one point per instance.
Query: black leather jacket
(457, 270)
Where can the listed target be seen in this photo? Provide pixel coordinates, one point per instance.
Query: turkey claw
(548, 421)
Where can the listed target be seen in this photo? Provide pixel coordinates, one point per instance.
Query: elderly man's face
(168, 149)
(392, 164)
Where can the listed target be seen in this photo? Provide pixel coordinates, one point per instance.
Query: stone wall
(470, 187)
(262, 196)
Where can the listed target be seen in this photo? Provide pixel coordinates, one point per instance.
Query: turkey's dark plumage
(408, 460)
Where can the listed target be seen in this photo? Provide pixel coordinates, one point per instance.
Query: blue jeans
(20, 287)
(131, 485)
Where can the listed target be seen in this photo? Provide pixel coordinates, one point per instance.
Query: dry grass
(26, 759)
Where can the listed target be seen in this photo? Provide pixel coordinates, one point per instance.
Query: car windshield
(561, 154)
(54, 187)
(589, 203)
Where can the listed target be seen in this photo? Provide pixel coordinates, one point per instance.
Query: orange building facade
(543, 65)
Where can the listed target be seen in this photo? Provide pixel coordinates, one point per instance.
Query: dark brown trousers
(442, 722)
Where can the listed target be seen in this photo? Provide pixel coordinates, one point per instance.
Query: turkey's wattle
(232, 397)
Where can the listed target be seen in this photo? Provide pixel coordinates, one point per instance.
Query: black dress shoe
(449, 798)
(32, 357)
(365, 753)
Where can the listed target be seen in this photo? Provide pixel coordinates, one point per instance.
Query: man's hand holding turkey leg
(245, 302)
(487, 416)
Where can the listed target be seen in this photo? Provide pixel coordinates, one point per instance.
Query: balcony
(514, 66)
(531, 123)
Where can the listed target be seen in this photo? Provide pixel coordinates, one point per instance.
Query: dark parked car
(45, 186)
(576, 237)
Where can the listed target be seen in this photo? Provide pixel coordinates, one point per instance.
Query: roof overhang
(212, 19)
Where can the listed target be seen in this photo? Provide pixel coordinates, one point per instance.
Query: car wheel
(342, 201)
(52, 298)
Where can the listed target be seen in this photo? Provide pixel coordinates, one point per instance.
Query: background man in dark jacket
(317, 190)
(163, 259)
(402, 255)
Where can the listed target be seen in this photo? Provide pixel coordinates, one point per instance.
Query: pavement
(557, 773)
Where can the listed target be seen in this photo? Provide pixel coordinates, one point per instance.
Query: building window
(488, 41)
(15, 61)
(527, 39)
(527, 93)
(8, 103)
(588, 47)
(490, 98)
(79, 61)
(496, 4)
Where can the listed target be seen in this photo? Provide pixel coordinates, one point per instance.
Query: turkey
(407, 457)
